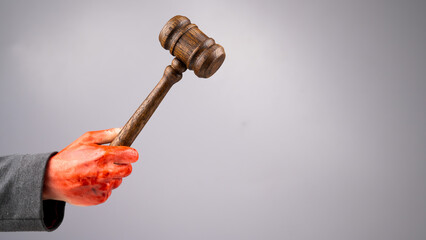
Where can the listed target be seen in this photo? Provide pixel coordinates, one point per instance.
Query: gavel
(193, 50)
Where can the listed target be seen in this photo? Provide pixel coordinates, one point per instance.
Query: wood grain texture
(193, 50)
(172, 74)
(190, 45)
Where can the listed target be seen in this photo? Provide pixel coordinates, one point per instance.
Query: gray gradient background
(314, 128)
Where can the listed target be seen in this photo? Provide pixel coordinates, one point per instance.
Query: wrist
(48, 190)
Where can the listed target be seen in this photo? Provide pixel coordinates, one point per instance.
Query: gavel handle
(172, 74)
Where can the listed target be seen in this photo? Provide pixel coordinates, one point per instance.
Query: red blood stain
(85, 172)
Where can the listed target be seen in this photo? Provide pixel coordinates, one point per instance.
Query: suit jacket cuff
(21, 189)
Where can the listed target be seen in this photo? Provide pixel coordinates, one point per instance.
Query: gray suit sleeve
(21, 188)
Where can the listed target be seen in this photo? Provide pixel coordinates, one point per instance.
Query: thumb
(99, 137)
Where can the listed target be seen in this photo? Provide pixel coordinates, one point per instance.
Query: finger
(116, 183)
(120, 154)
(99, 137)
(113, 171)
(105, 186)
(104, 192)
(122, 170)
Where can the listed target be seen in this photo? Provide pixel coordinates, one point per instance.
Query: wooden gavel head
(191, 46)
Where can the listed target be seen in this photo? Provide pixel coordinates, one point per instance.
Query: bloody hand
(84, 173)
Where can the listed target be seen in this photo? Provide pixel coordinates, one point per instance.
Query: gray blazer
(21, 188)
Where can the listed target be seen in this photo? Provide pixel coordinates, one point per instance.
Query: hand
(84, 173)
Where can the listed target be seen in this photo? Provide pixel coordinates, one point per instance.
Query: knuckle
(100, 153)
(103, 152)
(117, 183)
(126, 170)
(129, 170)
(102, 199)
(87, 134)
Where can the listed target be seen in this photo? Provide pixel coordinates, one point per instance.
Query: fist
(85, 172)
